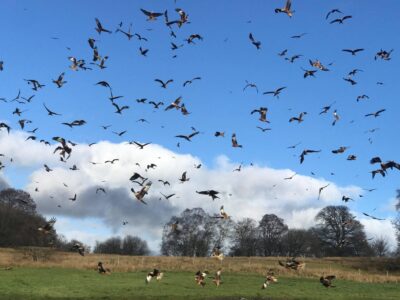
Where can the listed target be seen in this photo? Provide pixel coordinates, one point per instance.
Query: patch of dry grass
(360, 269)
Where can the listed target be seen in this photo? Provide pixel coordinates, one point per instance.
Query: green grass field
(60, 283)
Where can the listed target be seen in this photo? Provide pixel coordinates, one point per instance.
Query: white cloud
(380, 229)
(252, 192)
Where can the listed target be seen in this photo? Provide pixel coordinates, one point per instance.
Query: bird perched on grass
(200, 278)
(326, 281)
(217, 278)
(102, 270)
(155, 273)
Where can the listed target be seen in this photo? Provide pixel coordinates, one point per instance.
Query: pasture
(47, 274)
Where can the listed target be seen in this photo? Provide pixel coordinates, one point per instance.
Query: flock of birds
(201, 276)
(64, 147)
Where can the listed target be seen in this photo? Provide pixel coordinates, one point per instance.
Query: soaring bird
(250, 84)
(383, 54)
(151, 16)
(254, 42)
(143, 51)
(48, 226)
(191, 81)
(340, 20)
(188, 137)
(140, 194)
(353, 51)
(299, 119)
(234, 141)
(275, 93)
(183, 178)
(376, 114)
(263, 113)
(118, 108)
(79, 247)
(49, 112)
(167, 196)
(335, 10)
(164, 84)
(99, 28)
(305, 152)
(341, 149)
(286, 10)
(60, 80)
(192, 37)
(174, 104)
(213, 194)
(372, 217)
(321, 189)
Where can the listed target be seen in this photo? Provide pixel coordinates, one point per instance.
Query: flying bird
(164, 84)
(49, 112)
(234, 141)
(305, 152)
(254, 42)
(99, 28)
(188, 137)
(183, 178)
(151, 16)
(48, 226)
(321, 189)
(286, 10)
(376, 114)
(340, 20)
(140, 194)
(275, 93)
(213, 194)
(335, 10)
(353, 51)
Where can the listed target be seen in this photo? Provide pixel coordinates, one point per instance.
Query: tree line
(336, 233)
(196, 233)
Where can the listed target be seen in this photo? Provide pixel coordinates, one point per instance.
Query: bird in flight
(164, 84)
(340, 20)
(48, 226)
(188, 137)
(140, 194)
(335, 10)
(254, 42)
(99, 28)
(275, 93)
(183, 178)
(321, 189)
(234, 141)
(213, 194)
(49, 112)
(286, 10)
(305, 152)
(353, 51)
(151, 16)
(376, 114)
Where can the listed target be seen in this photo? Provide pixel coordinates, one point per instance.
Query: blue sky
(36, 36)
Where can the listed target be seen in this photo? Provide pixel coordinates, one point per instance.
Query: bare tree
(18, 199)
(245, 240)
(298, 242)
(380, 247)
(130, 245)
(271, 229)
(340, 233)
(193, 235)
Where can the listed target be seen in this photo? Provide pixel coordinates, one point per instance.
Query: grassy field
(59, 283)
(48, 274)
